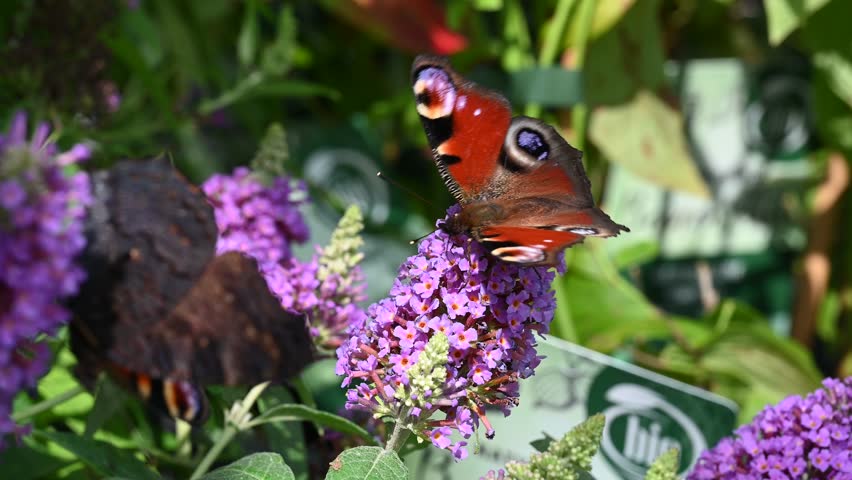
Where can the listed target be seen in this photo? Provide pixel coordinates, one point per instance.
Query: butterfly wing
(160, 308)
(465, 125)
(149, 236)
(229, 329)
(547, 205)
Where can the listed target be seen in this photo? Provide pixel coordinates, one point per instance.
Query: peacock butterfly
(160, 311)
(522, 189)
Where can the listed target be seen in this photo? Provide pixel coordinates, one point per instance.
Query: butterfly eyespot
(435, 93)
(533, 143)
(527, 145)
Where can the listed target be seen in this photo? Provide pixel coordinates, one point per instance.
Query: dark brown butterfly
(522, 188)
(160, 311)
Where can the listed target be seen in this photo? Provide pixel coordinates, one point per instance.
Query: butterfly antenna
(417, 240)
(404, 188)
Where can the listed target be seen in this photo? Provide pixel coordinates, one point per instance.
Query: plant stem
(551, 43)
(400, 432)
(212, 454)
(580, 111)
(398, 437)
(45, 405)
(553, 39)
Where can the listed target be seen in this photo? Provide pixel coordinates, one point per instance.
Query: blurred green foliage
(204, 80)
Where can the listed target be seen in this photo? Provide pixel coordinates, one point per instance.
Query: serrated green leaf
(258, 466)
(647, 137)
(291, 412)
(101, 456)
(367, 463)
(784, 16)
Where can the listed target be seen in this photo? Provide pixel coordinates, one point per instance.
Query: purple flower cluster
(329, 303)
(258, 220)
(42, 211)
(807, 437)
(489, 312)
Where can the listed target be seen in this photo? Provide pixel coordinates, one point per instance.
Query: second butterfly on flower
(456, 334)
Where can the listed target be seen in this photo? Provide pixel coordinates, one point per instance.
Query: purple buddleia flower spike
(798, 438)
(452, 295)
(43, 200)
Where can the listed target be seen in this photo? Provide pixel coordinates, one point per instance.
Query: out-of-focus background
(719, 131)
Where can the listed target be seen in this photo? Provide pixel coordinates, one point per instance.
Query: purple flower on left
(43, 200)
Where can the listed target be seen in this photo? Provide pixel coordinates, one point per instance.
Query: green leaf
(646, 136)
(636, 254)
(109, 398)
(29, 461)
(324, 384)
(543, 443)
(256, 85)
(60, 380)
(488, 5)
(367, 463)
(516, 52)
(747, 362)
(249, 36)
(106, 459)
(286, 438)
(258, 466)
(295, 412)
(838, 73)
(784, 16)
(828, 317)
(277, 58)
(626, 58)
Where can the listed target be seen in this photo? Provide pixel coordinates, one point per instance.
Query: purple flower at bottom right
(807, 437)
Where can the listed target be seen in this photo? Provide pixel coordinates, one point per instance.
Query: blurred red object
(415, 26)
